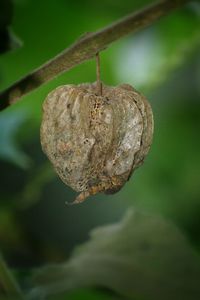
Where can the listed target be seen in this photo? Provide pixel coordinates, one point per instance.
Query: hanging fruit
(96, 135)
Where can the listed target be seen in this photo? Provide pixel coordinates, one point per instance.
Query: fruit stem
(99, 83)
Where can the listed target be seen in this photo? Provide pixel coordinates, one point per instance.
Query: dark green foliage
(37, 228)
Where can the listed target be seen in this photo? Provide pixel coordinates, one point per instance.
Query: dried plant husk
(95, 142)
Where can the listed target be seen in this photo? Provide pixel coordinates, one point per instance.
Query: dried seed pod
(96, 142)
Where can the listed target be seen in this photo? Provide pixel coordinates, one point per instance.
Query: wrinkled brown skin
(96, 142)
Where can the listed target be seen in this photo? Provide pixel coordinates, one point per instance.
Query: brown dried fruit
(96, 142)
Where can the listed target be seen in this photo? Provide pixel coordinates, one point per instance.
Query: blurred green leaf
(86, 294)
(10, 123)
(8, 285)
(32, 191)
(146, 59)
(10, 231)
(8, 40)
(142, 256)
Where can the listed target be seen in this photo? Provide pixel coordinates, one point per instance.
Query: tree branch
(86, 48)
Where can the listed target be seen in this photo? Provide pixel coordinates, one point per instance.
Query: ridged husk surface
(96, 140)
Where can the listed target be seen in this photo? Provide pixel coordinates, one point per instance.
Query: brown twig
(86, 48)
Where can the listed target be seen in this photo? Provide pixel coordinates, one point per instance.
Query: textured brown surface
(96, 142)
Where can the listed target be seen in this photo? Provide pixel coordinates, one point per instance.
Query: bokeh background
(162, 62)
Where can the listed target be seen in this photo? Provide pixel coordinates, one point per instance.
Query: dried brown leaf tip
(95, 142)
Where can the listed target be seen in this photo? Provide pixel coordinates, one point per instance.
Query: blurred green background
(36, 226)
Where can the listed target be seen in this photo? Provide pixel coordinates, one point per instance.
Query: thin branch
(86, 48)
(8, 283)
